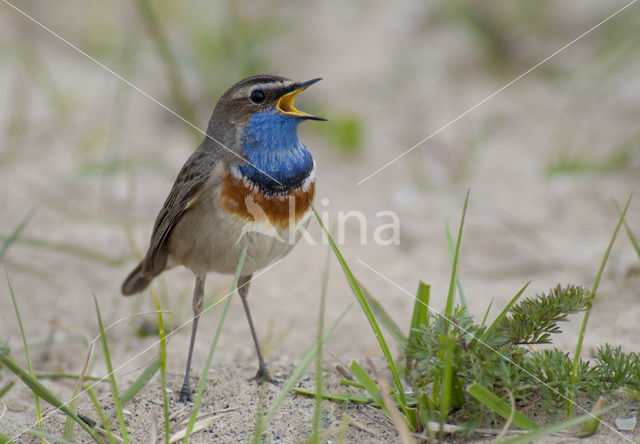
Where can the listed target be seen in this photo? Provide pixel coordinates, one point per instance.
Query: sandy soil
(405, 71)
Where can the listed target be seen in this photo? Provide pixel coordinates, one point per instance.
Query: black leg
(198, 297)
(263, 373)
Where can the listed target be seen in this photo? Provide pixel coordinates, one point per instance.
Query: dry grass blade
(197, 426)
(590, 427)
(359, 426)
(211, 413)
(550, 429)
(69, 426)
(505, 428)
(396, 417)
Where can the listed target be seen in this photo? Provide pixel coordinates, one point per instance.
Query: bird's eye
(257, 96)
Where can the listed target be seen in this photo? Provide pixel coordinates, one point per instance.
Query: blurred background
(86, 160)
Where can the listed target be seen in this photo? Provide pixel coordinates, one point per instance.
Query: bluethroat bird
(250, 182)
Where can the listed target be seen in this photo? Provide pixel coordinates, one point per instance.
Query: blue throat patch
(270, 142)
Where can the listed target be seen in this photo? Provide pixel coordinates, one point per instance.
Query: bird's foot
(263, 376)
(185, 393)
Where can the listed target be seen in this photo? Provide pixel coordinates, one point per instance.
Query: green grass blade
(140, 381)
(49, 437)
(317, 411)
(4, 390)
(16, 233)
(448, 310)
(368, 384)
(293, 379)
(26, 349)
(214, 344)
(420, 313)
(503, 313)
(547, 430)
(372, 321)
(585, 319)
(351, 383)
(448, 375)
(486, 314)
(451, 251)
(345, 397)
(43, 392)
(632, 238)
(69, 249)
(383, 317)
(66, 376)
(4, 439)
(112, 377)
(419, 316)
(100, 411)
(500, 406)
(163, 369)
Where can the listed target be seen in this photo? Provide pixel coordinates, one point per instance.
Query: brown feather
(188, 185)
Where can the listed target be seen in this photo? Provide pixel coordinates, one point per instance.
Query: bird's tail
(135, 282)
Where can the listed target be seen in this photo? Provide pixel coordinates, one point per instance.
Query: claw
(263, 376)
(185, 394)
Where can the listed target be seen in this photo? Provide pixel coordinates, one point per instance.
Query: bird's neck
(279, 161)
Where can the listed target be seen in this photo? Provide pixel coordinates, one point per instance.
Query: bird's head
(259, 110)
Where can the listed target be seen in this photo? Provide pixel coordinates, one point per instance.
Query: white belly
(220, 252)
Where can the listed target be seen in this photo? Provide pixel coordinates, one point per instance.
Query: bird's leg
(198, 297)
(263, 373)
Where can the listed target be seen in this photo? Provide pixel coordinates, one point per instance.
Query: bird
(250, 184)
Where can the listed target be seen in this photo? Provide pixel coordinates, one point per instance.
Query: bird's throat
(279, 162)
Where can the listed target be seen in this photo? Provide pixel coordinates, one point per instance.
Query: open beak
(285, 103)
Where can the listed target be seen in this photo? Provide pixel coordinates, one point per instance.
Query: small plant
(474, 373)
(500, 363)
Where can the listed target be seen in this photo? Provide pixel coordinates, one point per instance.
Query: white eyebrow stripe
(267, 87)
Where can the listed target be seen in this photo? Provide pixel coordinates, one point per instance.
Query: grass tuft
(112, 377)
(22, 333)
(163, 368)
(481, 372)
(594, 289)
(317, 412)
(357, 291)
(42, 391)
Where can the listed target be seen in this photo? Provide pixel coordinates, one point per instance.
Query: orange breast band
(247, 201)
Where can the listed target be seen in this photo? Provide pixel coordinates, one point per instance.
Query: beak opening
(285, 103)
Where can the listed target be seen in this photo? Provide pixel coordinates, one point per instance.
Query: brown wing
(186, 189)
